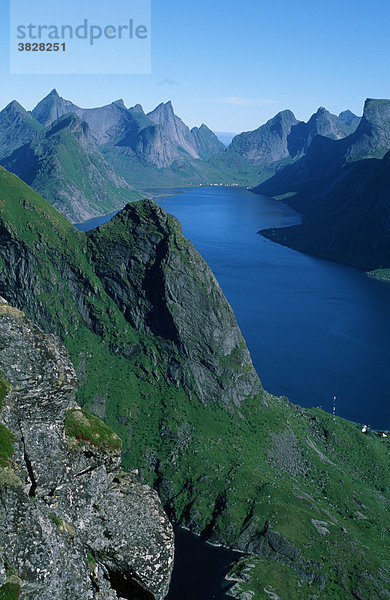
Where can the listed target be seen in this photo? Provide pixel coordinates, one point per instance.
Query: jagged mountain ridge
(64, 164)
(342, 191)
(115, 123)
(147, 150)
(283, 137)
(160, 357)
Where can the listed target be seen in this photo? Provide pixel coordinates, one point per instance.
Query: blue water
(315, 329)
(199, 569)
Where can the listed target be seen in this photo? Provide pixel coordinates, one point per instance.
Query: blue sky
(235, 64)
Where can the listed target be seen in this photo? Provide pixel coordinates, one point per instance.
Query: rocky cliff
(65, 165)
(341, 188)
(72, 524)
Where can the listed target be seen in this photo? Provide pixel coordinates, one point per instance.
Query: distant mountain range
(342, 187)
(88, 162)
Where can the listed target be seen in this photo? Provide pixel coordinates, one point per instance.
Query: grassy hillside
(306, 495)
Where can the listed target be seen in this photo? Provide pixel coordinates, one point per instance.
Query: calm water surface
(315, 329)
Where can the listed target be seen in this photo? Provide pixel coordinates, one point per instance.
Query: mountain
(350, 120)
(174, 128)
(267, 144)
(17, 127)
(67, 168)
(283, 139)
(207, 143)
(343, 195)
(160, 358)
(72, 523)
(146, 149)
(372, 137)
(321, 123)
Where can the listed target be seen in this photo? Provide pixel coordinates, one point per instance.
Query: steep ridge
(72, 524)
(174, 128)
(343, 196)
(17, 127)
(284, 138)
(67, 168)
(350, 120)
(159, 356)
(139, 146)
(207, 143)
(372, 137)
(267, 144)
(321, 123)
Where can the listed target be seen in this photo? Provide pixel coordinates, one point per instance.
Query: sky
(235, 64)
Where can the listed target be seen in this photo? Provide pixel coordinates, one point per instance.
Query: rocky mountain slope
(72, 524)
(65, 165)
(343, 194)
(160, 358)
(138, 144)
(17, 127)
(284, 138)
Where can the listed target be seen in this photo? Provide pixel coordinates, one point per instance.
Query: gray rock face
(163, 286)
(349, 119)
(76, 527)
(268, 143)
(158, 139)
(174, 128)
(372, 137)
(283, 137)
(321, 123)
(207, 143)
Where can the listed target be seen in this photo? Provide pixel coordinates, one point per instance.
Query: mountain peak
(373, 105)
(372, 137)
(138, 108)
(14, 106)
(53, 93)
(164, 107)
(322, 111)
(119, 103)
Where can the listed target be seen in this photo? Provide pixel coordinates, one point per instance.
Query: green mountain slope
(160, 357)
(17, 127)
(67, 168)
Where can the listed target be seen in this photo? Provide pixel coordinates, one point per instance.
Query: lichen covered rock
(72, 524)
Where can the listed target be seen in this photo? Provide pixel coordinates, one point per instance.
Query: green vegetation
(224, 471)
(82, 427)
(5, 388)
(91, 561)
(63, 526)
(7, 475)
(6, 447)
(382, 274)
(66, 167)
(10, 591)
